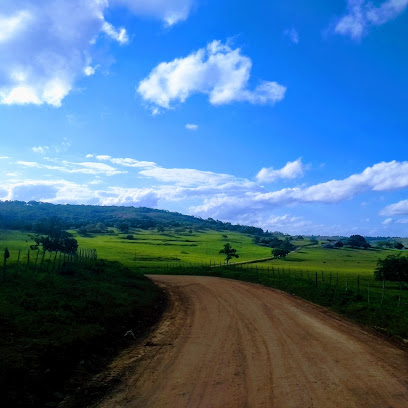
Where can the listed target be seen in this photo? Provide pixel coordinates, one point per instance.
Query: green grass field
(346, 260)
(151, 249)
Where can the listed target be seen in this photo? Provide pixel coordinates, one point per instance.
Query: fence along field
(382, 305)
(342, 279)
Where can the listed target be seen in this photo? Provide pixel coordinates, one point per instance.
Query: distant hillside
(22, 215)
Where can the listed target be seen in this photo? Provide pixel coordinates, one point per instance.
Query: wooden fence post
(382, 295)
(28, 260)
(368, 292)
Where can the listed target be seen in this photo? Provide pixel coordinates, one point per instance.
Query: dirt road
(227, 344)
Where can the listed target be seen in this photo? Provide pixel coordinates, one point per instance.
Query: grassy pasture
(345, 260)
(151, 249)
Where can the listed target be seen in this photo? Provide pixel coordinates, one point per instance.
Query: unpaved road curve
(225, 343)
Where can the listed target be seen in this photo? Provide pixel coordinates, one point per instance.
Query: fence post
(368, 292)
(316, 281)
(382, 296)
(399, 296)
(28, 260)
(36, 260)
(6, 256)
(358, 285)
(42, 260)
(346, 283)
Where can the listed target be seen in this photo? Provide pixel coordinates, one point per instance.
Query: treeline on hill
(33, 215)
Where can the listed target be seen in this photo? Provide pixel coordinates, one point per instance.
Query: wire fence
(336, 286)
(45, 262)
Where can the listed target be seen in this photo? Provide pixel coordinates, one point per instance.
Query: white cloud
(59, 191)
(4, 157)
(89, 71)
(187, 176)
(41, 60)
(387, 221)
(292, 34)
(12, 24)
(46, 45)
(363, 14)
(402, 221)
(400, 208)
(384, 176)
(285, 223)
(171, 11)
(148, 197)
(119, 35)
(290, 171)
(40, 149)
(191, 126)
(71, 167)
(127, 162)
(219, 71)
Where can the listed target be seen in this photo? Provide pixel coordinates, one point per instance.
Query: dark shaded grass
(57, 330)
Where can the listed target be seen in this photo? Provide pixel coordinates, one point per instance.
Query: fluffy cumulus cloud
(218, 71)
(290, 171)
(58, 191)
(400, 208)
(191, 126)
(384, 176)
(45, 45)
(363, 14)
(208, 194)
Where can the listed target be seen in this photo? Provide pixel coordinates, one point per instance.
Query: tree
(279, 252)
(61, 241)
(229, 252)
(338, 244)
(287, 245)
(357, 241)
(398, 245)
(123, 227)
(392, 268)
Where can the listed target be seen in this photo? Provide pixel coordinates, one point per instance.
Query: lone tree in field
(280, 252)
(229, 252)
(398, 245)
(392, 268)
(357, 241)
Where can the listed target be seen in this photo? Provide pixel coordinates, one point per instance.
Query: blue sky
(288, 115)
